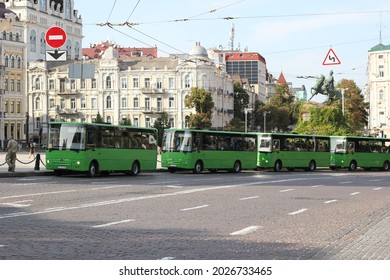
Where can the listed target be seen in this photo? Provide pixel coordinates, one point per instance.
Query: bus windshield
(177, 141)
(265, 144)
(66, 137)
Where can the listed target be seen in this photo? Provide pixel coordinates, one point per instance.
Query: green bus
(353, 151)
(199, 150)
(94, 148)
(279, 150)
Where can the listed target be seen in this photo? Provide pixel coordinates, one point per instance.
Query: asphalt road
(251, 215)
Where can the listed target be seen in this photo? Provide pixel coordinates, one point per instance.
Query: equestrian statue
(326, 87)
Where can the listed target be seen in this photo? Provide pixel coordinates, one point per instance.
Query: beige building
(136, 89)
(12, 72)
(378, 90)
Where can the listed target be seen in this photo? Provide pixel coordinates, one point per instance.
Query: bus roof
(211, 131)
(106, 125)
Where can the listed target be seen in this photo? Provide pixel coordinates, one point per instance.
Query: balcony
(153, 90)
(152, 110)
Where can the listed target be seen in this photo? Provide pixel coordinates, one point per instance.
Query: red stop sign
(55, 37)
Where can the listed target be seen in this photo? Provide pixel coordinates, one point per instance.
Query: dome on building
(198, 52)
(110, 53)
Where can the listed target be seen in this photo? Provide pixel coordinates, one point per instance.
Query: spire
(281, 80)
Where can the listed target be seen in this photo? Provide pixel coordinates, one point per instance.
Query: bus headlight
(78, 162)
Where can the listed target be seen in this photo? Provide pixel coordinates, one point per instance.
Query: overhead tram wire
(113, 6)
(241, 18)
(136, 5)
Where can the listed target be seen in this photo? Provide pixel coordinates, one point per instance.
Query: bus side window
(276, 145)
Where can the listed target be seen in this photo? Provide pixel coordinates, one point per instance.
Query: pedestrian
(32, 149)
(12, 148)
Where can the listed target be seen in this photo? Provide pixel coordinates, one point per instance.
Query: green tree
(355, 109)
(160, 124)
(203, 103)
(125, 122)
(99, 118)
(241, 101)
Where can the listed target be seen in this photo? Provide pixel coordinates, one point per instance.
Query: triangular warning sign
(331, 58)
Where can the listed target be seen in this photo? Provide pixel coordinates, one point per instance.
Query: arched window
(18, 62)
(380, 94)
(76, 50)
(33, 41)
(12, 62)
(108, 82)
(108, 102)
(11, 36)
(187, 81)
(69, 48)
(17, 37)
(43, 43)
(4, 35)
(37, 103)
(108, 120)
(6, 60)
(187, 122)
(37, 83)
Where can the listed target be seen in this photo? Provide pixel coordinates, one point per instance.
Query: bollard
(37, 160)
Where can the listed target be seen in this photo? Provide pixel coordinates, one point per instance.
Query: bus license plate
(61, 167)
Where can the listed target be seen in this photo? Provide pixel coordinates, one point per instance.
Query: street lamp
(342, 99)
(246, 110)
(265, 118)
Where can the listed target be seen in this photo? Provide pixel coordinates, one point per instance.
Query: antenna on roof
(232, 38)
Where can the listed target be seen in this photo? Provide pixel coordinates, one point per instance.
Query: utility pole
(2, 105)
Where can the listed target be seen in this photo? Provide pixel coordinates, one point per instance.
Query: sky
(294, 37)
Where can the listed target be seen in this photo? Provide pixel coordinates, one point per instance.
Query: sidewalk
(24, 166)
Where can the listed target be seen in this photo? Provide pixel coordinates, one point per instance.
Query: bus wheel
(352, 166)
(386, 166)
(92, 170)
(135, 168)
(198, 167)
(312, 165)
(237, 167)
(278, 166)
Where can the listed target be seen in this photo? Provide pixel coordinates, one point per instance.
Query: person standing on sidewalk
(32, 149)
(10, 158)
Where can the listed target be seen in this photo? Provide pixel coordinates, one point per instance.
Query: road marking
(26, 184)
(18, 204)
(355, 193)
(317, 186)
(113, 223)
(287, 190)
(110, 187)
(36, 194)
(330, 201)
(1, 246)
(167, 258)
(376, 180)
(298, 212)
(246, 230)
(163, 183)
(346, 182)
(194, 208)
(250, 197)
(377, 189)
(140, 198)
(173, 187)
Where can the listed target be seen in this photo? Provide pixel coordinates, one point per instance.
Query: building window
(83, 103)
(12, 85)
(135, 102)
(108, 120)
(171, 122)
(37, 103)
(381, 71)
(382, 119)
(52, 103)
(147, 103)
(12, 107)
(33, 41)
(159, 83)
(147, 82)
(6, 60)
(159, 104)
(171, 103)
(171, 83)
(108, 82)
(51, 84)
(147, 122)
(108, 102)
(19, 62)
(18, 107)
(12, 62)
(135, 83)
(93, 103)
(380, 94)
(37, 84)
(72, 84)
(124, 102)
(187, 82)
(43, 43)
(62, 85)
(82, 83)
(135, 121)
(73, 103)
(18, 87)
(93, 84)
(62, 103)
(123, 83)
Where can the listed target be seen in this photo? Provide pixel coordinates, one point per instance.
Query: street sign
(55, 37)
(56, 55)
(331, 58)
